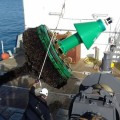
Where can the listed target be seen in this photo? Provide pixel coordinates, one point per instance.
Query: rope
(84, 72)
(50, 43)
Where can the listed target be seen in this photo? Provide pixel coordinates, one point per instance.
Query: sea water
(11, 23)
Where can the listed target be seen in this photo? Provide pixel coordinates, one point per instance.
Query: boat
(67, 92)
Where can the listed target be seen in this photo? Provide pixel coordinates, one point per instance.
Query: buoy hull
(5, 56)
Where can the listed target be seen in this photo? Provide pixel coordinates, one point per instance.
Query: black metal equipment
(99, 95)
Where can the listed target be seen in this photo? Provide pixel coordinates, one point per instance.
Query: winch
(99, 95)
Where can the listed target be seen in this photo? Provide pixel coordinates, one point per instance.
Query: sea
(11, 23)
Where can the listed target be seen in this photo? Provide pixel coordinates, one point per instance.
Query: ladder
(115, 50)
(115, 46)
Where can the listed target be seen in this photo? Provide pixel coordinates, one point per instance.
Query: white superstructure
(37, 12)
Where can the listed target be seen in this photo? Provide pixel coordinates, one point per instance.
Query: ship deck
(14, 94)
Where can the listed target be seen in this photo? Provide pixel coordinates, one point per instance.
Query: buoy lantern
(5, 56)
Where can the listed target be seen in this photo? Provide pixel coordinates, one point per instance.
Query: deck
(14, 94)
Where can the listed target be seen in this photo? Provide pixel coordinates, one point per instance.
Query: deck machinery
(98, 97)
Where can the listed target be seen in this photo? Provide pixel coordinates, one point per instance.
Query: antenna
(96, 16)
(2, 46)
